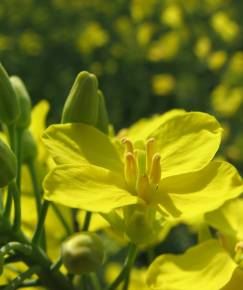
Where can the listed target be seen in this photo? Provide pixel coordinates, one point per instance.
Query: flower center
(142, 169)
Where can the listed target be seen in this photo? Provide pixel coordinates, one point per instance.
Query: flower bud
(9, 106)
(82, 253)
(82, 103)
(8, 165)
(103, 120)
(24, 102)
(29, 147)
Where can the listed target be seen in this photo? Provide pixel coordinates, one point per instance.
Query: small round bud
(82, 102)
(29, 147)
(9, 106)
(8, 166)
(82, 253)
(24, 102)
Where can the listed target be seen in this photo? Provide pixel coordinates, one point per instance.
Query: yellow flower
(164, 163)
(211, 265)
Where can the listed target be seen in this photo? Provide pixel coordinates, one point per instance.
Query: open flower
(213, 264)
(164, 162)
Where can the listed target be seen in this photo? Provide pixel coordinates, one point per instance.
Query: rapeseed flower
(164, 163)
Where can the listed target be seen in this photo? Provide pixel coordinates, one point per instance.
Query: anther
(128, 145)
(150, 153)
(155, 173)
(130, 169)
(143, 188)
(239, 246)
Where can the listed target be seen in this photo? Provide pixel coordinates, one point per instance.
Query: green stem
(87, 221)
(17, 208)
(19, 133)
(132, 253)
(62, 219)
(40, 225)
(57, 265)
(32, 171)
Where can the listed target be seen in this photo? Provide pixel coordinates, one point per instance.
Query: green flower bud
(141, 224)
(29, 147)
(82, 103)
(8, 166)
(82, 253)
(9, 106)
(24, 102)
(103, 120)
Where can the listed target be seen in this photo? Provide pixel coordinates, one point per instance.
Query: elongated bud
(8, 165)
(24, 102)
(9, 107)
(82, 103)
(29, 147)
(103, 119)
(82, 253)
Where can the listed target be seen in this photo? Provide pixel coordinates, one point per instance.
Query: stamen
(130, 169)
(150, 153)
(128, 145)
(143, 187)
(155, 173)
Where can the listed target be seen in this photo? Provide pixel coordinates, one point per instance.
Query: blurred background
(149, 56)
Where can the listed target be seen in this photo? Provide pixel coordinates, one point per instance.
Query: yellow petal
(200, 192)
(87, 187)
(204, 267)
(145, 127)
(228, 220)
(76, 143)
(187, 142)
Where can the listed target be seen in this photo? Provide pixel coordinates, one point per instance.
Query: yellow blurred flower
(226, 101)
(140, 9)
(163, 84)
(202, 47)
(172, 16)
(217, 59)
(145, 33)
(165, 48)
(4, 42)
(91, 37)
(226, 28)
(31, 43)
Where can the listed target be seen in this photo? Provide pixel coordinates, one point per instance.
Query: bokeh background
(149, 56)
